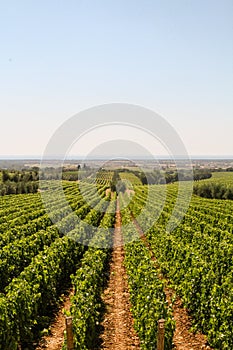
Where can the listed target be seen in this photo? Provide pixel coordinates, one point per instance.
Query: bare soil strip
(183, 339)
(55, 339)
(118, 331)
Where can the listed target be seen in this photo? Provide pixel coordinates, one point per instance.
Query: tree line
(159, 177)
(213, 190)
(19, 182)
(116, 183)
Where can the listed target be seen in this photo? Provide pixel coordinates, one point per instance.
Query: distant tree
(114, 181)
(11, 188)
(15, 177)
(213, 190)
(120, 187)
(5, 176)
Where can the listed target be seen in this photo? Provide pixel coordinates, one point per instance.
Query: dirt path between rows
(55, 339)
(118, 332)
(183, 338)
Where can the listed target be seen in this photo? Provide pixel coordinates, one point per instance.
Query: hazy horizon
(79, 157)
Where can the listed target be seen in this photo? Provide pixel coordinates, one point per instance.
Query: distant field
(221, 178)
(219, 186)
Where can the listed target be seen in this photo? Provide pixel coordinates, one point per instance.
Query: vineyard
(46, 254)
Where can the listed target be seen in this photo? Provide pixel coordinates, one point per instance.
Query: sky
(58, 58)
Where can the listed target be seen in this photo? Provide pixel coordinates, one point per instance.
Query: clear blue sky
(60, 57)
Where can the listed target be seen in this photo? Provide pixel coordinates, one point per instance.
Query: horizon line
(99, 157)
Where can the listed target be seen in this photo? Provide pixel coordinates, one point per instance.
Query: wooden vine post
(161, 332)
(69, 333)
